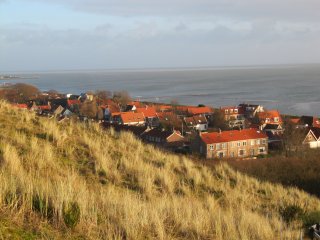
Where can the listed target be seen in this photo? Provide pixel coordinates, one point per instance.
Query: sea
(291, 89)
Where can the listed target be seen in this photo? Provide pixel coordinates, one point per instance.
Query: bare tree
(122, 98)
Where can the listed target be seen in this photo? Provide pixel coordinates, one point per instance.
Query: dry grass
(127, 190)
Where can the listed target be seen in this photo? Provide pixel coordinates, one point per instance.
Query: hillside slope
(72, 180)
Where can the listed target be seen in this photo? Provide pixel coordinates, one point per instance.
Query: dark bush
(71, 214)
(42, 206)
(291, 213)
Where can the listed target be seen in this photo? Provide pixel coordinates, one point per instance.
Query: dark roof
(306, 120)
(316, 132)
(156, 132)
(272, 126)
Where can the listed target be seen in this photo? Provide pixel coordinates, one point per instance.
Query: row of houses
(252, 129)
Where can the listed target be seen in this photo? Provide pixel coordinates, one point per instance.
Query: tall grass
(128, 190)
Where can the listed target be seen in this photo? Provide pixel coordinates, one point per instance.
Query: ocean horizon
(292, 89)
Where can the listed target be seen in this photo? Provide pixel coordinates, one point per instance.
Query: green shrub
(71, 214)
(311, 218)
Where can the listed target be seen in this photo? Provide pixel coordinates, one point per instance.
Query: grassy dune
(71, 180)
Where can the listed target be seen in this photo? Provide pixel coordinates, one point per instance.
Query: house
(128, 118)
(268, 117)
(20, 105)
(273, 128)
(234, 116)
(232, 144)
(150, 114)
(250, 110)
(313, 138)
(162, 137)
(308, 121)
(205, 111)
(198, 123)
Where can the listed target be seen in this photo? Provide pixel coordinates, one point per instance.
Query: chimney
(219, 130)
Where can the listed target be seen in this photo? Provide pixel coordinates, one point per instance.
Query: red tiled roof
(199, 110)
(229, 136)
(272, 114)
(128, 117)
(24, 106)
(147, 111)
(195, 120)
(295, 120)
(73, 101)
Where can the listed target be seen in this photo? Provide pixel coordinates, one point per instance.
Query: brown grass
(128, 190)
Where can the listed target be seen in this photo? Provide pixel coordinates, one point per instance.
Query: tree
(218, 121)
(293, 137)
(25, 92)
(103, 94)
(122, 98)
(89, 109)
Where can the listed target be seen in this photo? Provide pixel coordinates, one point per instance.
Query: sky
(45, 35)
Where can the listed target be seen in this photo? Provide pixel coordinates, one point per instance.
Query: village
(245, 131)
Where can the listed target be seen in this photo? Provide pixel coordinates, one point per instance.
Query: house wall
(237, 149)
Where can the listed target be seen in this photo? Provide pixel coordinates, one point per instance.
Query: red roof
(147, 111)
(24, 106)
(230, 136)
(199, 110)
(73, 101)
(129, 117)
(272, 114)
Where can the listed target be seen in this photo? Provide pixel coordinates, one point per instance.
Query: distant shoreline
(15, 77)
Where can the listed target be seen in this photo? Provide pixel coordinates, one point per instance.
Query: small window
(220, 154)
(244, 143)
(258, 141)
(232, 154)
(262, 150)
(263, 141)
(241, 152)
(236, 111)
(211, 147)
(252, 152)
(276, 119)
(224, 145)
(252, 142)
(238, 144)
(218, 146)
(226, 111)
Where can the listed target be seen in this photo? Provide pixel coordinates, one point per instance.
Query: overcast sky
(102, 34)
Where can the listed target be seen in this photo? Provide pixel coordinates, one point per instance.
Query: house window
(211, 147)
(244, 143)
(224, 145)
(236, 111)
(218, 146)
(232, 154)
(241, 152)
(263, 141)
(267, 120)
(258, 141)
(262, 150)
(276, 119)
(238, 144)
(252, 142)
(226, 111)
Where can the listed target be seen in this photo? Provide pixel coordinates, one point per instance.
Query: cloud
(244, 9)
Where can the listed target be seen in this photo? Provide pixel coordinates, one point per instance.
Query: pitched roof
(229, 136)
(316, 132)
(164, 134)
(195, 120)
(271, 114)
(128, 117)
(199, 110)
(148, 112)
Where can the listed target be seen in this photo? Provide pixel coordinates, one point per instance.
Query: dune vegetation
(72, 180)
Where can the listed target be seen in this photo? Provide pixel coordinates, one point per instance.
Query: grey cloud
(244, 9)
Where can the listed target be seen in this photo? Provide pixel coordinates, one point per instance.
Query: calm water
(291, 89)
